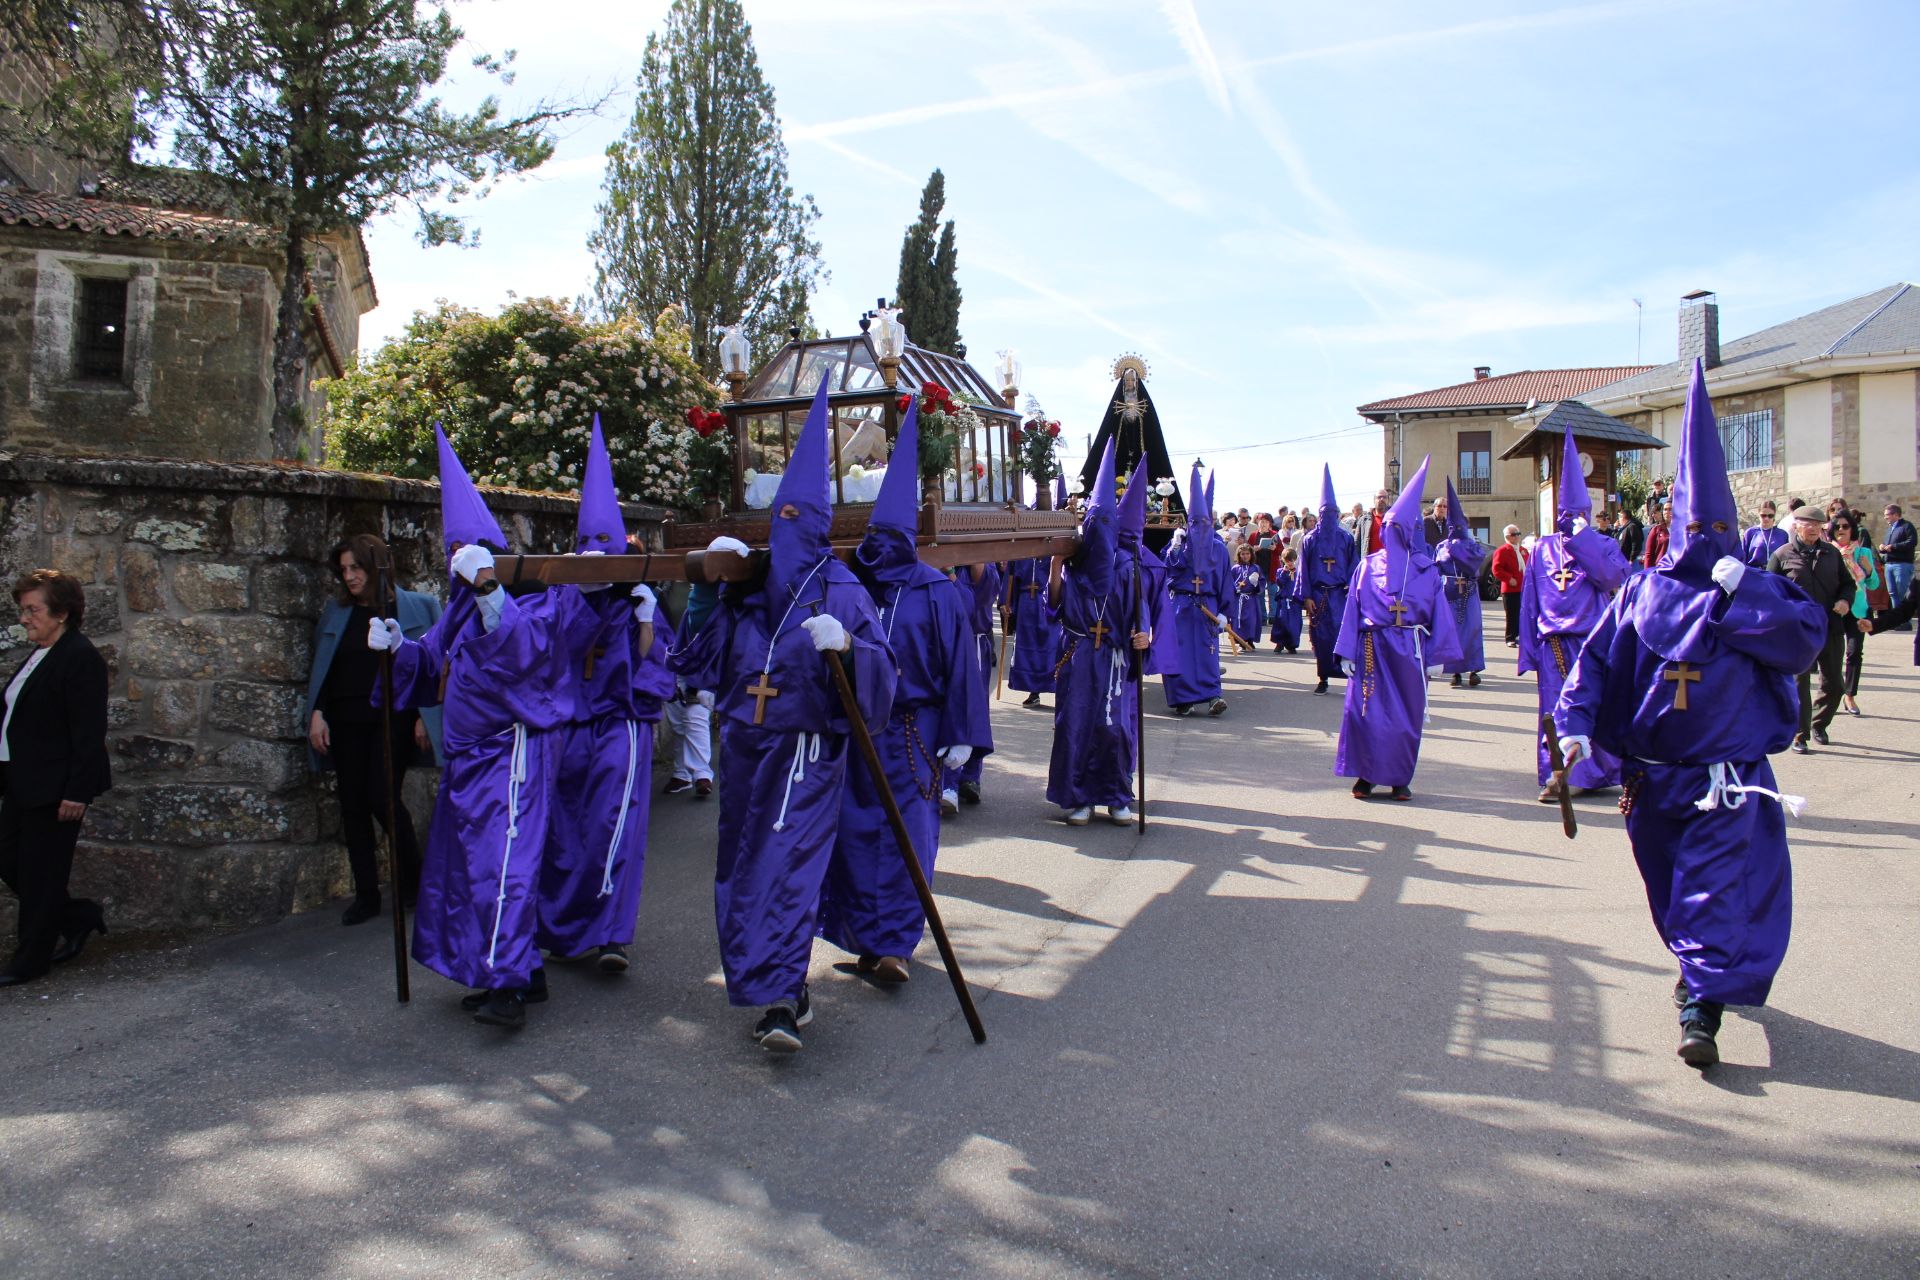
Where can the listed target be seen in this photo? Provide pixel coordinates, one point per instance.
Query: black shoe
(534, 994)
(1362, 789)
(1458, 680)
(1399, 793)
(1799, 746)
(1032, 700)
(970, 793)
(613, 959)
(1217, 707)
(1184, 709)
(12, 979)
(70, 948)
(1473, 679)
(1322, 686)
(677, 786)
(779, 1030)
(503, 1007)
(1699, 1024)
(361, 910)
(1820, 736)
(702, 788)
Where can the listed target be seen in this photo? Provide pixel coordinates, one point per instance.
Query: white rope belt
(626, 800)
(806, 748)
(1725, 788)
(516, 774)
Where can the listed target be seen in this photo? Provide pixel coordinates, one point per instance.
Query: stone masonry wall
(203, 585)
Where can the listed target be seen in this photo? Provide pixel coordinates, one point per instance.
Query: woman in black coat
(53, 763)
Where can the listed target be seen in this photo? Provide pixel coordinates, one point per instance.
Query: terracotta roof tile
(1509, 390)
(112, 218)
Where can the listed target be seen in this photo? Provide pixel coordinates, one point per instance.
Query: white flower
(856, 472)
(750, 475)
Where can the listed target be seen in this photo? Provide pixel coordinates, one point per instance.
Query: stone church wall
(204, 581)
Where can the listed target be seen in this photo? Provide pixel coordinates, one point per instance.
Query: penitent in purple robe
(1567, 589)
(1247, 588)
(782, 779)
(1197, 584)
(508, 691)
(1328, 557)
(1718, 879)
(868, 905)
(1389, 653)
(1460, 557)
(1286, 615)
(1096, 699)
(979, 594)
(1036, 632)
(590, 878)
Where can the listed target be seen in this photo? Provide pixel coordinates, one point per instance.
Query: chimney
(1480, 372)
(1700, 328)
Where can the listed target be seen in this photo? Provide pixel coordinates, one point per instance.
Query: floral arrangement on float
(1039, 438)
(944, 422)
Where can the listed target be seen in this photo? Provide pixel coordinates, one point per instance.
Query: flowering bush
(517, 393)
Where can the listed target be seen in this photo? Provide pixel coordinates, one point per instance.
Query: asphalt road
(1282, 1034)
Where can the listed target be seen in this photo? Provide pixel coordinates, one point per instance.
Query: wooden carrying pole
(1558, 759)
(386, 592)
(871, 756)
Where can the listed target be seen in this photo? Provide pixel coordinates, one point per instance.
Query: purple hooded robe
(1328, 557)
(1396, 625)
(978, 588)
(1198, 583)
(1460, 557)
(1693, 688)
(1036, 632)
(1248, 587)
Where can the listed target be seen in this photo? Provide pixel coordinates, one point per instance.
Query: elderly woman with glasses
(53, 764)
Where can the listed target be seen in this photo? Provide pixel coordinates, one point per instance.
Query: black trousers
(36, 860)
(1856, 653)
(360, 776)
(1511, 599)
(1818, 714)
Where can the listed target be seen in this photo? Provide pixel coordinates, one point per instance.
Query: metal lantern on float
(735, 356)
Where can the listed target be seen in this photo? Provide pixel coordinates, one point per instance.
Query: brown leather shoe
(1550, 794)
(887, 969)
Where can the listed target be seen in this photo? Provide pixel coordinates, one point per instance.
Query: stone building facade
(204, 581)
(1823, 405)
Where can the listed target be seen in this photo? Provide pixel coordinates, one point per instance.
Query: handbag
(1880, 598)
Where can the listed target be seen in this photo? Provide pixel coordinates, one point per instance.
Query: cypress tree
(697, 208)
(928, 291)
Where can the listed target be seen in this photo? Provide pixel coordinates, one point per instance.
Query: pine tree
(697, 208)
(928, 291)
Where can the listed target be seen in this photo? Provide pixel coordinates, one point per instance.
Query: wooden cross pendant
(1033, 589)
(1682, 675)
(1198, 582)
(1327, 561)
(598, 651)
(1098, 631)
(1398, 609)
(1562, 576)
(760, 693)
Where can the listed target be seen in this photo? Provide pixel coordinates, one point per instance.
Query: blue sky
(1287, 209)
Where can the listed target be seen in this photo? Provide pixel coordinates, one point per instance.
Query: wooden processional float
(976, 512)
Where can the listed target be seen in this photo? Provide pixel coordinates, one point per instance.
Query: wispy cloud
(1185, 21)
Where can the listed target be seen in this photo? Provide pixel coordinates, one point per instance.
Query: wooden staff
(387, 592)
(871, 755)
(1000, 667)
(1139, 700)
(1233, 636)
(1558, 759)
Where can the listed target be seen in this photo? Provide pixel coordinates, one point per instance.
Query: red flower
(979, 469)
(695, 416)
(716, 421)
(1053, 428)
(903, 402)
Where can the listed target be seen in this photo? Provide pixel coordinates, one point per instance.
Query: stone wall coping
(273, 478)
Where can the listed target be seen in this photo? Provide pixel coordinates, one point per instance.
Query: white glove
(469, 560)
(1434, 673)
(1576, 747)
(734, 545)
(828, 634)
(1219, 624)
(1727, 573)
(956, 757)
(1579, 524)
(643, 603)
(384, 634)
(705, 698)
(588, 588)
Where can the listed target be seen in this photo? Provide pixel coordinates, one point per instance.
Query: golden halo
(1129, 361)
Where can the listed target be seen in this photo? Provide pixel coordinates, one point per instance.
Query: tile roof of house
(1507, 391)
(1586, 424)
(136, 221)
(1884, 322)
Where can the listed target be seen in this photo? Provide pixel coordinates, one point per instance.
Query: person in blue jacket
(343, 726)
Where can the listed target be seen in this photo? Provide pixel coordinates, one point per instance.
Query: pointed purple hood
(888, 553)
(1457, 525)
(1098, 536)
(1060, 492)
(1705, 524)
(1574, 500)
(601, 526)
(464, 517)
(795, 546)
(1329, 505)
(1402, 537)
(1131, 523)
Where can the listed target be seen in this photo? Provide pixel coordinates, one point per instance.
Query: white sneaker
(1081, 816)
(1120, 815)
(949, 802)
